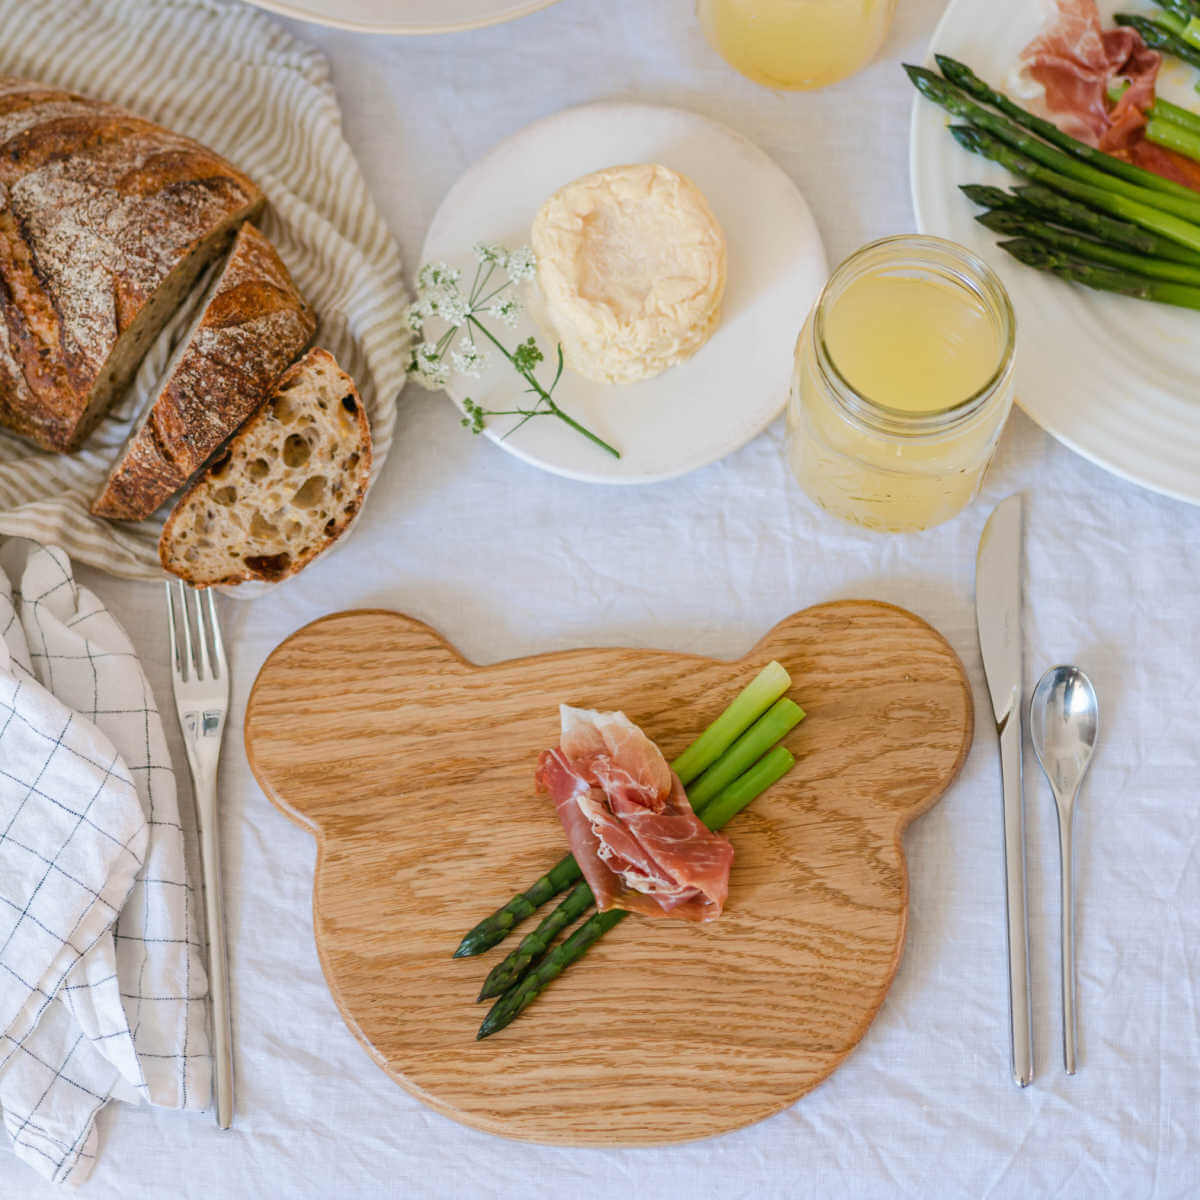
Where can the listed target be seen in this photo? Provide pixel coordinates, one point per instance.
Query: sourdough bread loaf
(106, 220)
(286, 487)
(251, 325)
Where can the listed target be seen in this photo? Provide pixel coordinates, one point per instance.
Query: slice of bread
(286, 487)
(250, 326)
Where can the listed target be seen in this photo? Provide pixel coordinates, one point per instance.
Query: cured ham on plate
(1067, 70)
(629, 823)
(1114, 379)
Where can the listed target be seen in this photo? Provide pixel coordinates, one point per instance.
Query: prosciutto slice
(629, 823)
(1074, 60)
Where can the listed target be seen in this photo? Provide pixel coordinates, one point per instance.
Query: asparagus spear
(1159, 37)
(783, 716)
(980, 142)
(1013, 224)
(1105, 279)
(987, 196)
(960, 104)
(1035, 201)
(768, 770)
(1064, 211)
(961, 76)
(1181, 10)
(534, 945)
(497, 927)
(749, 704)
(1174, 136)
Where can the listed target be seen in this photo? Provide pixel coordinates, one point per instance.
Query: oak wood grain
(414, 770)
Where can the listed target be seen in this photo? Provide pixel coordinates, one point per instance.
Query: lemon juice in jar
(796, 44)
(902, 384)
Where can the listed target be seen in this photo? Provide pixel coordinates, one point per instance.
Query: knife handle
(1019, 1000)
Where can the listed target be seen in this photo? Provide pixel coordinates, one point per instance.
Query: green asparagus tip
(990, 197)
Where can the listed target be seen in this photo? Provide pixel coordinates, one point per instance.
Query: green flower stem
(542, 393)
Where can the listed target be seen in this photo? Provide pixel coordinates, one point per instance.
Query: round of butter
(631, 266)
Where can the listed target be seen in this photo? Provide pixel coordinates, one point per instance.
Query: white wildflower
(521, 264)
(451, 305)
(428, 368)
(468, 359)
(491, 254)
(437, 276)
(416, 314)
(505, 309)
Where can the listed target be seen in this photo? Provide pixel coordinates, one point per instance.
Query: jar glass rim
(969, 271)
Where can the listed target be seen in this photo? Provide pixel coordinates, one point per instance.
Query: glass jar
(898, 468)
(796, 44)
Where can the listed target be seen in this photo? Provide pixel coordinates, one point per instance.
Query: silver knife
(998, 613)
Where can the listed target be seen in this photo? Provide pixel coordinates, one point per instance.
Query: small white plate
(1117, 380)
(736, 384)
(404, 16)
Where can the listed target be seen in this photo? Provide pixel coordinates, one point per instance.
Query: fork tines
(187, 668)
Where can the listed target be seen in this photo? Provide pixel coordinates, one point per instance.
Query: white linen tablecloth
(455, 533)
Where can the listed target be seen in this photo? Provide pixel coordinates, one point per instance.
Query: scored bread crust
(286, 487)
(254, 322)
(106, 220)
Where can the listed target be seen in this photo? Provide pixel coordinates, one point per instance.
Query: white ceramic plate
(1117, 380)
(404, 16)
(736, 384)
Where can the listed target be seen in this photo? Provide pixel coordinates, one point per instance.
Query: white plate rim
(400, 28)
(628, 107)
(1041, 414)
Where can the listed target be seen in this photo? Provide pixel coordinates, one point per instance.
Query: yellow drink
(796, 44)
(912, 342)
(902, 385)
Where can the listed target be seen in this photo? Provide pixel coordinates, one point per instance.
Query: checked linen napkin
(102, 984)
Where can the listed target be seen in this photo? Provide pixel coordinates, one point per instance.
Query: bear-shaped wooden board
(413, 768)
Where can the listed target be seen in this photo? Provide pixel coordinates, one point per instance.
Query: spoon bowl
(1064, 721)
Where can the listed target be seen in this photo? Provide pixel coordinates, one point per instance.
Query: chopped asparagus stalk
(750, 704)
(1178, 114)
(780, 719)
(1173, 136)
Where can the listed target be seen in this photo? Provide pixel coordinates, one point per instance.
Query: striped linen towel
(231, 77)
(93, 1005)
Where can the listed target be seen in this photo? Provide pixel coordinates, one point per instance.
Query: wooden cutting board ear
(414, 770)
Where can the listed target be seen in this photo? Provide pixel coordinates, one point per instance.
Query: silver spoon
(1064, 721)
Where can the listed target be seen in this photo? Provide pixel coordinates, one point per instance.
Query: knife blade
(998, 615)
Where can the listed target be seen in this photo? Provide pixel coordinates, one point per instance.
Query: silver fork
(202, 702)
